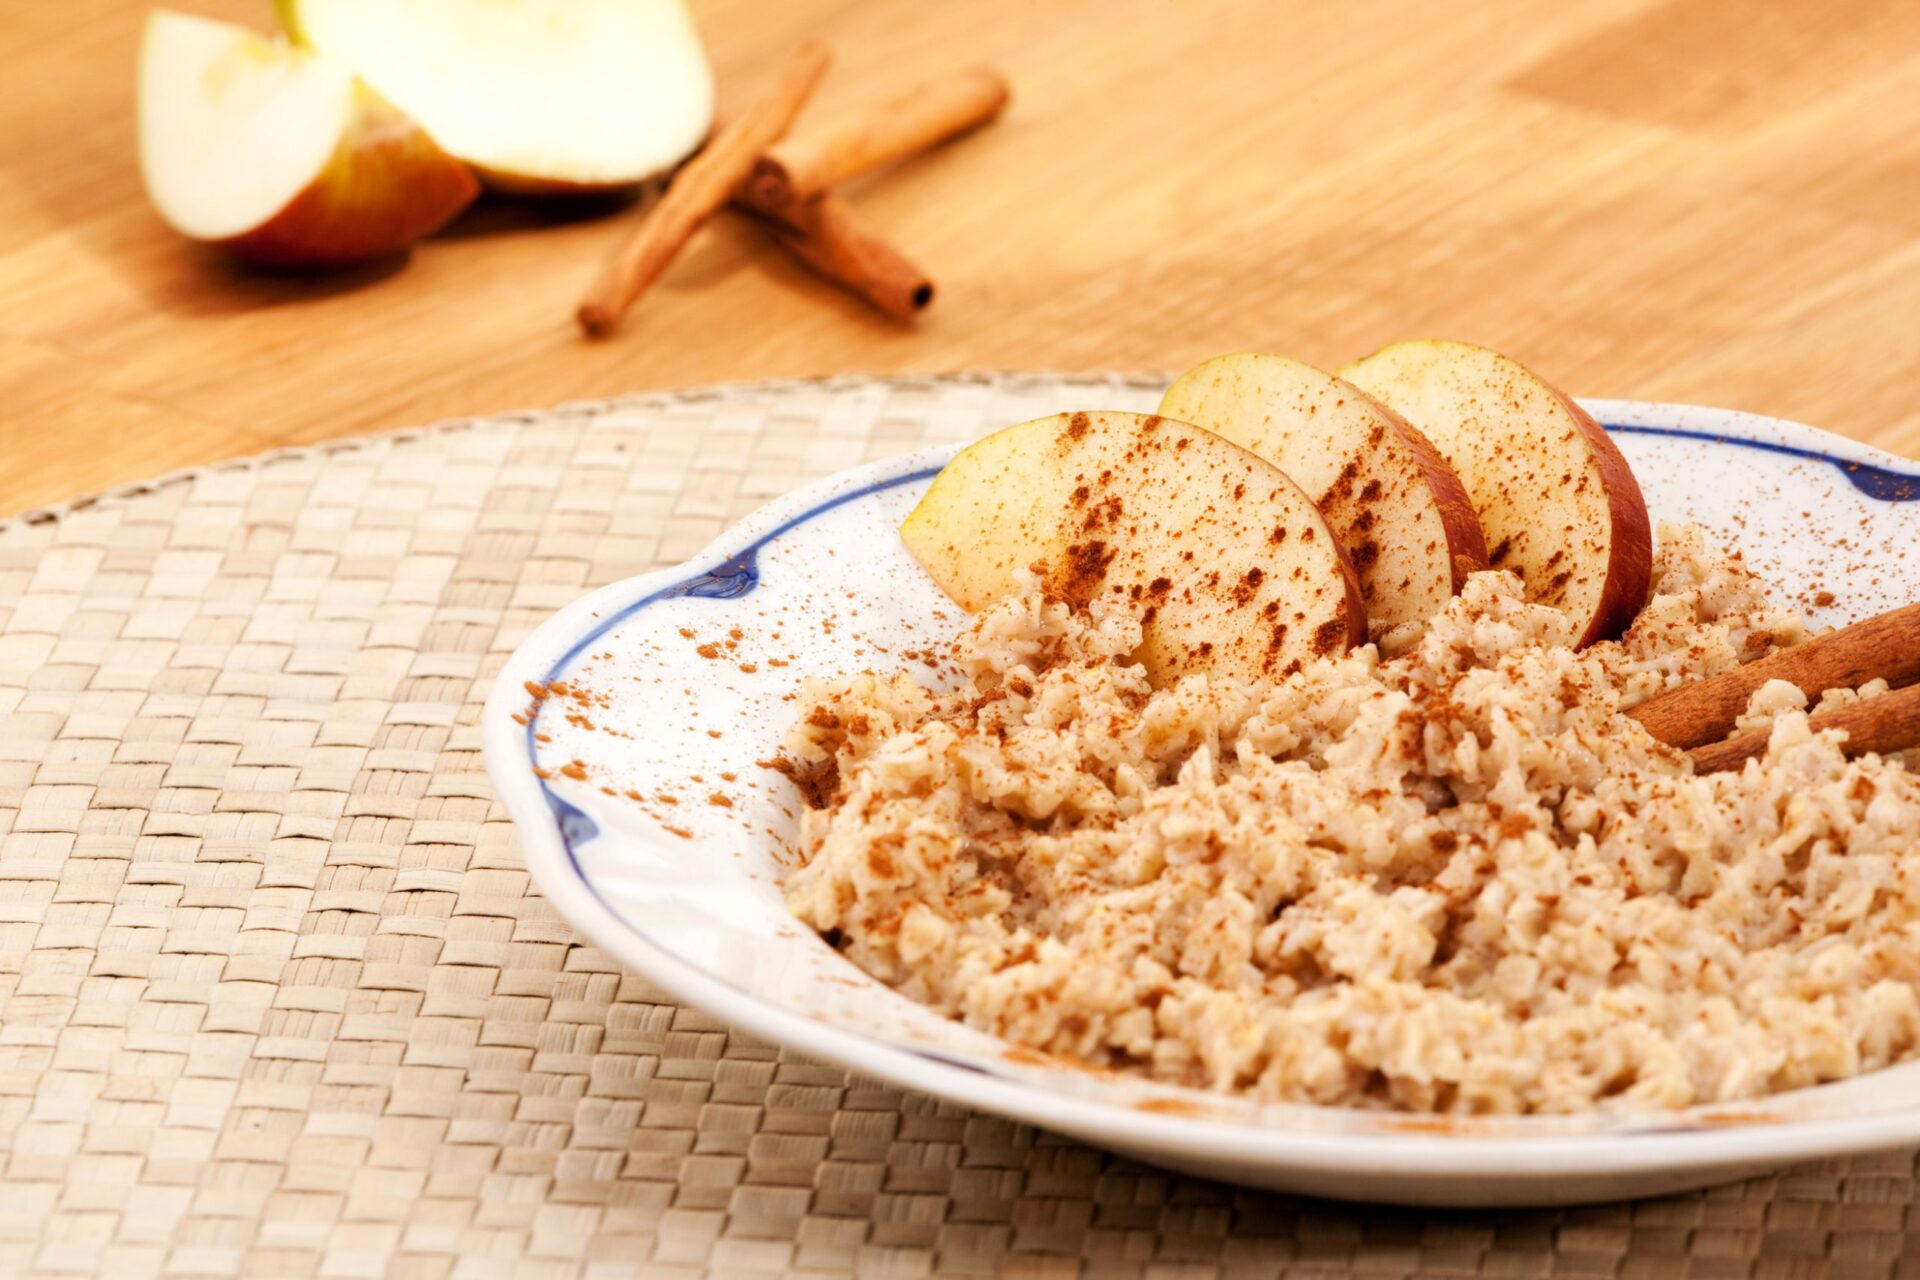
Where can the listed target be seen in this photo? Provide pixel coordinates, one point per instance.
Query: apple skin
(1630, 554)
(1401, 512)
(1485, 381)
(385, 186)
(1465, 539)
(1464, 534)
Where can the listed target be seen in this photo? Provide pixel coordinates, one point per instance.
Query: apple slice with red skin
(280, 156)
(1230, 566)
(1390, 497)
(1558, 502)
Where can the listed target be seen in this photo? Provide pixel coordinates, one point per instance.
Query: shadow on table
(247, 286)
(493, 215)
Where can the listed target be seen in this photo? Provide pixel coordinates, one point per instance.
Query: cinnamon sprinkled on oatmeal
(1457, 881)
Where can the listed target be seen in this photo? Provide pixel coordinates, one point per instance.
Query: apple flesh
(280, 156)
(1558, 502)
(539, 96)
(1230, 566)
(1395, 504)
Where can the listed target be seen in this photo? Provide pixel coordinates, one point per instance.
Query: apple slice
(1396, 506)
(1229, 564)
(279, 155)
(1559, 505)
(543, 97)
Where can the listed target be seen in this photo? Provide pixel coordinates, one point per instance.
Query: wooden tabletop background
(1714, 201)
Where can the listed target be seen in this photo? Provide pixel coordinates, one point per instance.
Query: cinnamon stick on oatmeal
(701, 187)
(827, 235)
(1706, 711)
(1887, 723)
(880, 134)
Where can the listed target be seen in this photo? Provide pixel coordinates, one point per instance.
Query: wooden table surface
(1714, 201)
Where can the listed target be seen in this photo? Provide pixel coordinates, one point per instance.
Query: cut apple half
(1397, 507)
(541, 96)
(1558, 503)
(1226, 561)
(250, 143)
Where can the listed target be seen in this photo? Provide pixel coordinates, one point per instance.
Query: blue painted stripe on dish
(737, 576)
(1880, 483)
(731, 578)
(726, 581)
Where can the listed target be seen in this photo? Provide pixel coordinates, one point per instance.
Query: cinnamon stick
(879, 134)
(1890, 722)
(702, 186)
(828, 236)
(1705, 711)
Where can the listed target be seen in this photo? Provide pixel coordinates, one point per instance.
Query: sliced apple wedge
(1396, 506)
(541, 96)
(1230, 565)
(250, 143)
(1559, 505)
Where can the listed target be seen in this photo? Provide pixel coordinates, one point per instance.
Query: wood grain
(1671, 199)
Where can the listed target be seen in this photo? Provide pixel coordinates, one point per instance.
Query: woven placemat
(277, 998)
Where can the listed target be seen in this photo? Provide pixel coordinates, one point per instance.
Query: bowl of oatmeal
(1426, 921)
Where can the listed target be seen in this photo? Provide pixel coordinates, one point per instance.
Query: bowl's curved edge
(1874, 472)
(1499, 1170)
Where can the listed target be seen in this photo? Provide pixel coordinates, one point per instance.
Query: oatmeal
(1455, 880)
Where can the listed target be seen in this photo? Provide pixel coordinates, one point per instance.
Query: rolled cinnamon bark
(828, 236)
(705, 183)
(1890, 722)
(878, 135)
(1705, 711)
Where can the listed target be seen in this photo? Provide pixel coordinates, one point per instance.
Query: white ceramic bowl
(665, 848)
